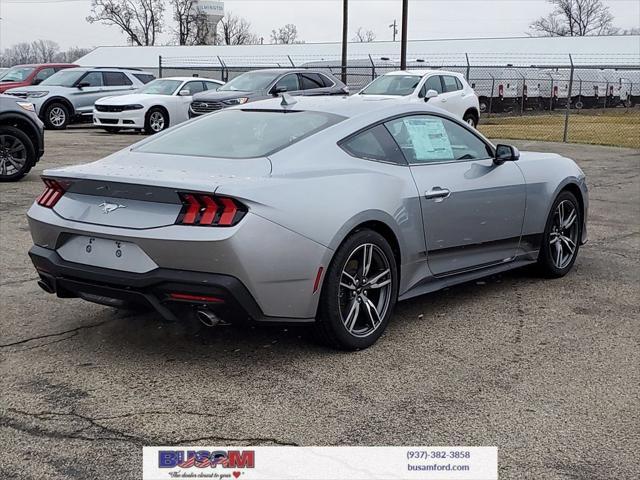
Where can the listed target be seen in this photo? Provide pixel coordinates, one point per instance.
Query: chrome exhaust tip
(207, 318)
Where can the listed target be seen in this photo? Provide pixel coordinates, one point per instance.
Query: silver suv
(69, 94)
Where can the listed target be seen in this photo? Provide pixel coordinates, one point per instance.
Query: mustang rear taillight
(209, 210)
(53, 191)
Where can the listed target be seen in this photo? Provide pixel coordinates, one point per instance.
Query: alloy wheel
(156, 121)
(365, 290)
(57, 116)
(563, 238)
(13, 155)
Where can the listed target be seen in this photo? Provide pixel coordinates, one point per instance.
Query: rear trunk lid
(140, 190)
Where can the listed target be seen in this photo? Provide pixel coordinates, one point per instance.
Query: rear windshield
(400, 85)
(240, 133)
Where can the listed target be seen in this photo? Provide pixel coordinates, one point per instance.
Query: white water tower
(214, 12)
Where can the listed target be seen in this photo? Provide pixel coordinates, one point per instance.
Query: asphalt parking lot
(547, 370)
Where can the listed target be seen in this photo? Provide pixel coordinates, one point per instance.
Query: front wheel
(17, 154)
(359, 293)
(156, 121)
(56, 116)
(561, 239)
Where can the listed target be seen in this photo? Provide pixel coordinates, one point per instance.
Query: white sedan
(160, 104)
(447, 90)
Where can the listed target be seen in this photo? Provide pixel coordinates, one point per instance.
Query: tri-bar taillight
(206, 210)
(53, 191)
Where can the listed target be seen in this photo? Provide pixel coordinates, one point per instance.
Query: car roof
(62, 64)
(184, 79)
(107, 69)
(422, 73)
(342, 105)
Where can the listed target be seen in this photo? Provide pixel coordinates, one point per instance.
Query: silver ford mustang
(317, 210)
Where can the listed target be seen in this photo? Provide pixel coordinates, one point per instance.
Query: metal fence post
(224, 73)
(292, 64)
(493, 85)
(524, 89)
(159, 66)
(373, 68)
(468, 66)
(569, 93)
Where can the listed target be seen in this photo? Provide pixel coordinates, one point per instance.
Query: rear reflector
(200, 209)
(195, 298)
(53, 192)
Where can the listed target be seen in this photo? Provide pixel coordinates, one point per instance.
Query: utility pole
(345, 32)
(403, 40)
(394, 25)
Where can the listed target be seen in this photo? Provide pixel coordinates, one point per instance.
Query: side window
(327, 81)
(116, 79)
(144, 77)
(374, 144)
(432, 83)
(459, 83)
(451, 83)
(44, 74)
(427, 139)
(211, 85)
(290, 82)
(94, 79)
(310, 81)
(193, 87)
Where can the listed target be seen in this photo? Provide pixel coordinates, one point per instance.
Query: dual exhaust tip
(207, 318)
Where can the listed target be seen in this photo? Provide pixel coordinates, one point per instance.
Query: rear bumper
(233, 301)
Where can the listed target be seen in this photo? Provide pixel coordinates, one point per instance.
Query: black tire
(56, 116)
(548, 259)
(470, 119)
(17, 154)
(335, 298)
(111, 129)
(484, 105)
(152, 122)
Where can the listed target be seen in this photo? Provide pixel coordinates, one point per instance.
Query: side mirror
(185, 92)
(81, 85)
(430, 94)
(279, 90)
(506, 153)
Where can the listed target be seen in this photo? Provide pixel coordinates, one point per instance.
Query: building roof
(601, 50)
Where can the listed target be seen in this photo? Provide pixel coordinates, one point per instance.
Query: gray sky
(318, 20)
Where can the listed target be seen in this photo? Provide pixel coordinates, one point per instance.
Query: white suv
(69, 95)
(451, 92)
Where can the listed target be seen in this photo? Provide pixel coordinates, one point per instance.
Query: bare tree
(72, 54)
(193, 27)
(44, 51)
(630, 31)
(364, 36)
(140, 20)
(18, 54)
(575, 18)
(285, 35)
(234, 30)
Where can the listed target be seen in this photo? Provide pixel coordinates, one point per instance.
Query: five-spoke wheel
(359, 292)
(17, 154)
(562, 236)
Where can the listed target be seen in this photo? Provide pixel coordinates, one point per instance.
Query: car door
(116, 83)
(290, 82)
(179, 108)
(312, 83)
(472, 208)
(83, 97)
(434, 82)
(453, 96)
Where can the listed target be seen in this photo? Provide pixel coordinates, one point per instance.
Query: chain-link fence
(571, 98)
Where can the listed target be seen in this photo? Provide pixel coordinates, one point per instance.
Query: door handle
(437, 193)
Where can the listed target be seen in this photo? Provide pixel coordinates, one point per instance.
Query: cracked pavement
(546, 370)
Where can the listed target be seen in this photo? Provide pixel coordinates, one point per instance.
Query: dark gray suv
(21, 138)
(262, 84)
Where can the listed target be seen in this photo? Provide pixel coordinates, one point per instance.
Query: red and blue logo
(206, 459)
